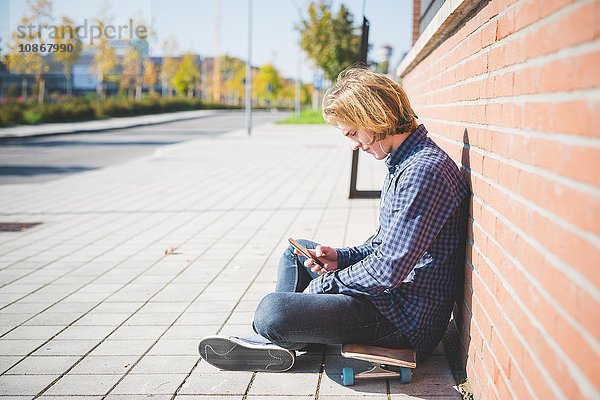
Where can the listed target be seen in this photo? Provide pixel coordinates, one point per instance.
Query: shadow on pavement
(26, 170)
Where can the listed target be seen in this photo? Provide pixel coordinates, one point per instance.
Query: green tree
(329, 40)
(233, 71)
(104, 63)
(268, 83)
(31, 62)
(170, 64)
(149, 77)
(67, 37)
(187, 76)
(131, 75)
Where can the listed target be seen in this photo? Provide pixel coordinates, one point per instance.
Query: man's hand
(327, 255)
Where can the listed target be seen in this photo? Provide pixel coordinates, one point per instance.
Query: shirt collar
(398, 155)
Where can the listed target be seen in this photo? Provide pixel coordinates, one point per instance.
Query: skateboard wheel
(405, 375)
(348, 376)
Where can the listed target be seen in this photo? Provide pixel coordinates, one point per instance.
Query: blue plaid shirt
(409, 269)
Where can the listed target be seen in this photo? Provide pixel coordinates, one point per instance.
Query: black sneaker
(236, 354)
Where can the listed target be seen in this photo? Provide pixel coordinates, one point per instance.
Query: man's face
(360, 139)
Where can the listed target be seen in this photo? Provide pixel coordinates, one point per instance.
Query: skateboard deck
(386, 363)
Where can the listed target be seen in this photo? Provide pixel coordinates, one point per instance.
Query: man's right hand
(327, 255)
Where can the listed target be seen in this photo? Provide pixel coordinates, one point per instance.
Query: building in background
(511, 90)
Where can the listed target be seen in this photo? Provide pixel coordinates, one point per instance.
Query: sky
(193, 24)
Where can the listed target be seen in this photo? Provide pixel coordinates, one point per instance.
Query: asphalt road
(42, 159)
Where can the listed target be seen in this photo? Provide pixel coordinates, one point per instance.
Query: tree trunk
(41, 90)
(138, 91)
(69, 85)
(100, 87)
(24, 90)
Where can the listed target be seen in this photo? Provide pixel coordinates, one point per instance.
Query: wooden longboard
(398, 357)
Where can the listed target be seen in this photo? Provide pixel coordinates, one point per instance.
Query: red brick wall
(513, 96)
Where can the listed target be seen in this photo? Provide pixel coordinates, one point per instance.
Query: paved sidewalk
(102, 124)
(91, 307)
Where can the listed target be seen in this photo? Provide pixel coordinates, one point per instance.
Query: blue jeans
(292, 319)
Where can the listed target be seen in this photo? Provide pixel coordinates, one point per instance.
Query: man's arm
(351, 255)
(422, 203)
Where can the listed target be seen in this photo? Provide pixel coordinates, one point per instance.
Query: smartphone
(305, 252)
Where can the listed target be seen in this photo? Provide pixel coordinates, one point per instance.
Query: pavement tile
(331, 385)
(180, 347)
(284, 383)
(43, 365)
(220, 383)
(53, 319)
(190, 332)
(164, 307)
(165, 364)
(69, 347)
(136, 397)
(14, 319)
(157, 319)
(149, 384)
(95, 319)
(70, 307)
(237, 330)
(32, 332)
(104, 365)
(85, 332)
(19, 347)
(122, 347)
(427, 385)
(80, 385)
(8, 361)
(356, 396)
(208, 397)
(24, 385)
(127, 332)
(197, 319)
(69, 398)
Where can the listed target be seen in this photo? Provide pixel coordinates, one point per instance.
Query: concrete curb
(22, 131)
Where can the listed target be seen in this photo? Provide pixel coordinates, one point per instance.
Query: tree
(67, 58)
(329, 40)
(104, 63)
(234, 72)
(267, 83)
(26, 51)
(170, 64)
(131, 76)
(186, 76)
(149, 78)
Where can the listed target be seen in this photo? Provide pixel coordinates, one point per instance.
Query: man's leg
(292, 275)
(293, 320)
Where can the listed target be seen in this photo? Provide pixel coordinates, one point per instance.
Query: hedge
(81, 109)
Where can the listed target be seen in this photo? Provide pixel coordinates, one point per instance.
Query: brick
(506, 24)
(527, 12)
(496, 59)
(488, 33)
(504, 85)
(539, 116)
(526, 80)
(548, 80)
(577, 117)
(586, 71)
(515, 51)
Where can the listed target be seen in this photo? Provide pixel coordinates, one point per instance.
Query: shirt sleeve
(420, 206)
(351, 255)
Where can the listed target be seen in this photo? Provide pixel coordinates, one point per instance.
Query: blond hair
(363, 99)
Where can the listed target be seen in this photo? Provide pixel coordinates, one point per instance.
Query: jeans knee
(269, 317)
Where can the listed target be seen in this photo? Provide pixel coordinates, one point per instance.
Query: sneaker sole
(229, 355)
